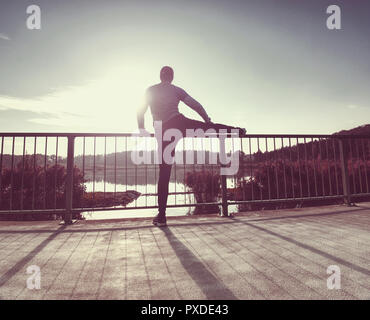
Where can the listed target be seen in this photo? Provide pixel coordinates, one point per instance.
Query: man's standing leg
(163, 185)
(162, 189)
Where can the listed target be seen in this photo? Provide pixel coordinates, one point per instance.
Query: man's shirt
(164, 99)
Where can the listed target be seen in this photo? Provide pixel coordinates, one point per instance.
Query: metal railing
(60, 173)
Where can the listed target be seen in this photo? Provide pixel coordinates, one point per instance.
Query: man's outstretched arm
(196, 106)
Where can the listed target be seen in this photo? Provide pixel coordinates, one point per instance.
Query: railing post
(69, 180)
(224, 211)
(345, 178)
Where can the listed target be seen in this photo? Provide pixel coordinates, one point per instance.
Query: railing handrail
(110, 134)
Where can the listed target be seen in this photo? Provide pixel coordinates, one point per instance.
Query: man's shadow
(212, 288)
(27, 258)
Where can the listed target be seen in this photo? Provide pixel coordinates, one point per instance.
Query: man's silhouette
(163, 99)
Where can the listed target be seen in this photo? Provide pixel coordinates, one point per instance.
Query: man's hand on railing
(144, 133)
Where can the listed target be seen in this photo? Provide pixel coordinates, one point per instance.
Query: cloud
(23, 120)
(4, 36)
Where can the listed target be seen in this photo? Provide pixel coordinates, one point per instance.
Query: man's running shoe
(159, 222)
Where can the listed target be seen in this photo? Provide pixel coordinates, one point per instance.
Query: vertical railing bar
(258, 147)
(276, 173)
(69, 180)
(352, 168)
(299, 169)
(233, 151)
(34, 173)
(175, 175)
(184, 164)
(195, 160)
(321, 169)
(224, 211)
(156, 154)
(359, 165)
(12, 177)
(291, 167)
(146, 172)
(335, 166)
(365, 164)
(345, 178)
(283, 161)
(94, 163)
(22, 179)
(314, 166)
(56, 172)
(195, 155)
(83, 155)
(242, 159)
(115, 168)
(268, 170)
(251, 167)
(329, 171)
(210, 155)
(135, 165)
(45, 169)
(306, 162)
(126, 169)
(83, 161)
(105, 167)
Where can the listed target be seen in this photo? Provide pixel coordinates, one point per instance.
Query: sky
(269, 66)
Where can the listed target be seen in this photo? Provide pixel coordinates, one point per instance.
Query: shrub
(206, 188)
(35, 187)
(293, 179)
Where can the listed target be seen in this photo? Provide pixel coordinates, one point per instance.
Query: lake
(146, 199)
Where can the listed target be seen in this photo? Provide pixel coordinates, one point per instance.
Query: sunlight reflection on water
(149, 200)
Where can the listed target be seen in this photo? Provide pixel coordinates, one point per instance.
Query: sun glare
(105, 104)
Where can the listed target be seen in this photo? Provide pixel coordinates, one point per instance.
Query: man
(163, 99)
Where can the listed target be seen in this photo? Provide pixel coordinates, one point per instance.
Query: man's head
(166, 74)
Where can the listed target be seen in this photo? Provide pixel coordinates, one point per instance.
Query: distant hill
(323, 148)
(361, 130)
